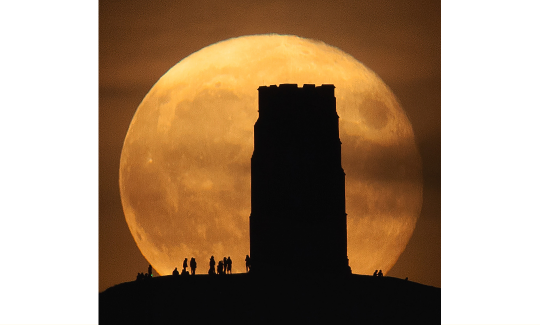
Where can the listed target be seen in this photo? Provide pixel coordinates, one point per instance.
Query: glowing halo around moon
(185, 163)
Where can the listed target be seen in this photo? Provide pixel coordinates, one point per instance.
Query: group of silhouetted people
(142, 276)
(192, 266)
(223, 267)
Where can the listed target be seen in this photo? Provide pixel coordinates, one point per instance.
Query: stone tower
(298, 222)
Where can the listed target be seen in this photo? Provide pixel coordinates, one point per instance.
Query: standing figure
(380, 273)
(212, 269)
(150, 271)
(193, 265)
(248, 264)
(220, 267)
(229, 265)
(185, 265)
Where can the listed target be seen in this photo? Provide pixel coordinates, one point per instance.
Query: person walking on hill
(229, 265)
(248, 264)
(220, 268)
(193, 265)
(212, 269)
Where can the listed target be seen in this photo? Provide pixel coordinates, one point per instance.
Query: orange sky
(139, 41)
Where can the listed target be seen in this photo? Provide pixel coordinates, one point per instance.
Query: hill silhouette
(297, 214)
(303, 299)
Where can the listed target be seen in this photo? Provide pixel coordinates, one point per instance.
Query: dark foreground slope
(355, 299)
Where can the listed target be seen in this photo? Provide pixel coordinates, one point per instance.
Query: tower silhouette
(298, 222)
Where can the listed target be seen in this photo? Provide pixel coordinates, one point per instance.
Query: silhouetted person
(185, 264)
(229, 265)
(224, 264)
(375, 273)
(248, 263)
(193, 265)
(175, 272)
(150, 270)
(380, 273)
(212, 269)
(220, 268)
(140, 276)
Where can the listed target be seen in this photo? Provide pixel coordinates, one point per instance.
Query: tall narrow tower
(298, 222)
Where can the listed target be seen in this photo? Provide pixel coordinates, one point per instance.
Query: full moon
(185, 163)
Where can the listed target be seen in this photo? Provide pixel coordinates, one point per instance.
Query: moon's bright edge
(185, 163)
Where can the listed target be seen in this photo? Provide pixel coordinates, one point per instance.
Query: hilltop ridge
(351, 299)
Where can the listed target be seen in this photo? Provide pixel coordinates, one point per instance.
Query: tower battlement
(323, 90)
(277, 99)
